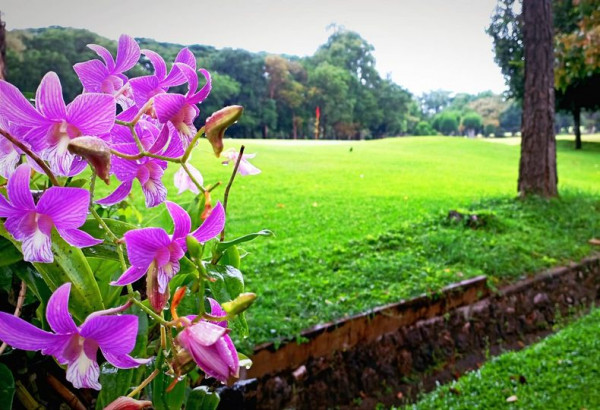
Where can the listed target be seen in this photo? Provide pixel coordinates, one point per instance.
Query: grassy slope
(560, 372)
(359, 224)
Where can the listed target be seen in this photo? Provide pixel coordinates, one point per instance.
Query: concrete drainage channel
(392, 353)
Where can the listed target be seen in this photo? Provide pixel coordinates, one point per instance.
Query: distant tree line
(281, 93)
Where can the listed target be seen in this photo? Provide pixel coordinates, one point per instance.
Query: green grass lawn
(363, 223)
(560, 372)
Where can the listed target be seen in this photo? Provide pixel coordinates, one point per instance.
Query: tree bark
(2, 48)
(537, 167)
(577, 126)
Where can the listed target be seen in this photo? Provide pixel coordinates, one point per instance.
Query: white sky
(424, 44)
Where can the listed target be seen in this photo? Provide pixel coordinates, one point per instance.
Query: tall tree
(2, 48)
(537, 167)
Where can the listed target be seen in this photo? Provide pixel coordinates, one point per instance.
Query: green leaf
(7, 387)
(69, 266)
(201, 398)
(8, 253)
(222, 246)
(228, 282)
(163, 400)
(105, 271)
(244, 360)
(79, 183)
(227, 285)
(107, 249)
(231, 257)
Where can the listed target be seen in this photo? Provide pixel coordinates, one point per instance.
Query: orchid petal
(114, 334)
(212, 226)
(37, 247)
(247, 168)
(128, 53)
(131, 275)
(160, 68)
(190, 76)
(18, 188)
(118, 195)
(124, 361)
(217, 311)
(205, 333)
(168, 105)
(22, 335)
(144, 88)
(83, 372)
(92, 113)
(15, 108)
(9, 158)
(49, 98)
(7, 210)
(91, 75)
(125, 169)
(186, 57)
(57, 311)
(67, 207)
(183, 181)
(181, 220)
(104, 54)
(142, 244)
(204, 91)
(155, 192)
(78, 238)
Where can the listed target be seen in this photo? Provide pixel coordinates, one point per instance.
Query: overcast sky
(423, 44)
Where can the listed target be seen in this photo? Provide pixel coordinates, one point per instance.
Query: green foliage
(561, 371)
(447, 122)
(201, 398)
(472, 122)
(70, 265)
(7, 387)
(423, 128)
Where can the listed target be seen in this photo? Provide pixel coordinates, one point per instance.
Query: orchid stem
(212, 187)
(143, 384)
(20, 301)
(92, 188)
(33, 156)
(149, 311)
(142, 154)
(187, 170)
(190, 147)
(226, 195)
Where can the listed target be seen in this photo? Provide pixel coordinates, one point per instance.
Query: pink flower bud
(158, 300)
(128, 403)
(217, 123)
(96, 152)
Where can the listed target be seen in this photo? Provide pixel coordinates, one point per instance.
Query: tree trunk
(537, 167)
(2, 49)
(577, 126)
(294, 126)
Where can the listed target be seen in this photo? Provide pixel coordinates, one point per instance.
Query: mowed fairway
(362, 223)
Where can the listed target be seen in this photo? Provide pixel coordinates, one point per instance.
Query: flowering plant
(75, 262)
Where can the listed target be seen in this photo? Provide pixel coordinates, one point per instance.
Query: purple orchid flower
(31, 224)
(183, 182)
(53, 124)
(210, 346)
(148, 171)
(245, 168)
(181, 110)
(148, 86)
(108, 78)
(149, 246)
(10, 155)
(77, 347)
